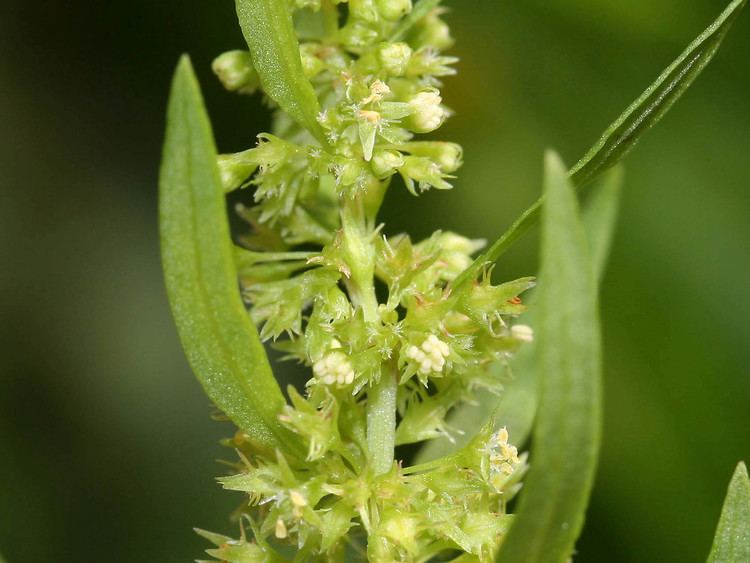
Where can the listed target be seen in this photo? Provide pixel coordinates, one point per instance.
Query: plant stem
(381, 422)
(359, 252)
(263, 257)
(330, 18)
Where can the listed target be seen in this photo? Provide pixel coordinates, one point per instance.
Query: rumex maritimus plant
(355, 85)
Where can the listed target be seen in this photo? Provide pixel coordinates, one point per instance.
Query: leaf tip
(553, 164)
(552, 158)
(741, 472)
(184, 66)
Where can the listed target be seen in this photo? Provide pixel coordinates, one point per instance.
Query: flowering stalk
(383, 372)
(396, 333)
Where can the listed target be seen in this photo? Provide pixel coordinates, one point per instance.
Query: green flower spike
(395, 334)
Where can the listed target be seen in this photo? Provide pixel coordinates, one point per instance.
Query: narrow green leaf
(269, 31)
(220, 341)
(620, 137)
(516, 407)
(732, 541)
(600, 218)
(626, 131)
(418, 12)
(567, 431)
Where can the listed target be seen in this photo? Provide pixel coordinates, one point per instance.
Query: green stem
(359, 254)
(262, 257)
(381, 422)
(330, 19)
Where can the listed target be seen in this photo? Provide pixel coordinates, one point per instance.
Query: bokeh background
(107, 451)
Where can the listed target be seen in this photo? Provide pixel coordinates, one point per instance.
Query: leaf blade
(620, 137)
(268, 29)
(599, 217)
(646, 111)
(732, 540)
(220, 342)
(567, 431)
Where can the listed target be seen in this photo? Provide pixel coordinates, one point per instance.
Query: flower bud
(448, 156)
(235, 169)
(272, 151)
(452, 242)
(236, 72)
(424, 172)
(394, 57)
(363, 10)
(347, 172)
(428, 113)
(357, 35)
(433, 32)
(386, 162)
(428, 60)
(394, 10)
(456, 252)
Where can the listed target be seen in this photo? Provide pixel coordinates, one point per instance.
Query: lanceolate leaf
(516, 407)
(600, 218)
(269, 31)
(655, 102)
(732, 541)
(220, 342)
(567, 431)
(626, 131)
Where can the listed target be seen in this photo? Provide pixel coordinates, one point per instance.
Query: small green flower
(236, 72)
(428, 112)
(423, 173)
(394, 10)
(394, 58)
(385, 163)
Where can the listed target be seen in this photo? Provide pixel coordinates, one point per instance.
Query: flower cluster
(456, 505)
(334, 367)
(430, 356)
(309, 265)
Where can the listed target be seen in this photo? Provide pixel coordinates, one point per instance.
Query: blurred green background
(107, 451)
